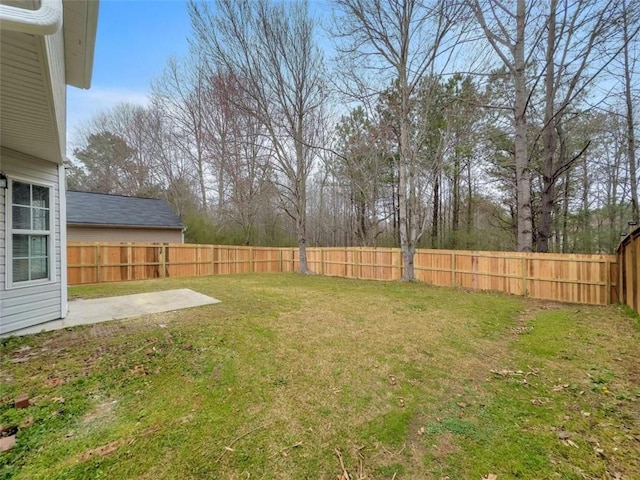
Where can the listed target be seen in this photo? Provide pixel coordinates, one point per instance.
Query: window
(30, 232)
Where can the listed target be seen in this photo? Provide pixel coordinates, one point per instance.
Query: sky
(134, 40)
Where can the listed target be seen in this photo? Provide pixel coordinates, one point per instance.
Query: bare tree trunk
(523, 173)
(549, 137)
(302, 244)
(586, 213)
(631, 140)
(512, 54)
(405, 195)
(565, 213)
(469, 199)
(436, 211)
(301, 201)
(455, 214)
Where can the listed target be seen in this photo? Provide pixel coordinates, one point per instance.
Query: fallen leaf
(491, 476)
(27, 422)
(562, 435)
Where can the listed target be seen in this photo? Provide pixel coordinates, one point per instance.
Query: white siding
(26, 306)
(2, 233)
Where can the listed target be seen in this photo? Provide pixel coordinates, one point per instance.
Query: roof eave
(81, 77)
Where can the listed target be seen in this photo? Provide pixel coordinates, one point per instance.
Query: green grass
(288, 369)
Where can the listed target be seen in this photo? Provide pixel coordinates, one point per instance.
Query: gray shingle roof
(102, 209)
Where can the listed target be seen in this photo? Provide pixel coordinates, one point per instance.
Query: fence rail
(589, 279)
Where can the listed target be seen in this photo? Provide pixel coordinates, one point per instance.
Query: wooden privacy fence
(629, 269)
(589, 279)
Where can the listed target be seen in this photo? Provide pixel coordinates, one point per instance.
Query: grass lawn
(308, 377)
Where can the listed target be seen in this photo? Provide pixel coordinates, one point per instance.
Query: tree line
(473, 124)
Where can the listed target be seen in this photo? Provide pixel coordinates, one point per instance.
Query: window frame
(10, 232)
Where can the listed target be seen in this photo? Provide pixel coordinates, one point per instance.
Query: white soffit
(27, 122)
(80, 24)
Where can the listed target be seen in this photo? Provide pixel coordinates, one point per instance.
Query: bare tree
(575, 55)
(630, 19)
(504, 25)
(404, 38)
(240, 154)
(271, 49)
(181, 91)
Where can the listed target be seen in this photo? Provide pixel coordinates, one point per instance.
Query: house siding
(26, 306)
(123, 234)
(3, 193)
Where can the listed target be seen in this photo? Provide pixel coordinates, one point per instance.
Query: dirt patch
(532, 307)
(103, 450)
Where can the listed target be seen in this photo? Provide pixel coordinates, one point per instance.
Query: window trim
(9, 231)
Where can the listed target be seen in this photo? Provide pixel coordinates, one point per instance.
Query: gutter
(46, 20)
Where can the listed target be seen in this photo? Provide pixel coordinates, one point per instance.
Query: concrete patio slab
(88, 312)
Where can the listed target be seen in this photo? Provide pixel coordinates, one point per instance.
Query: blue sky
(134, 40)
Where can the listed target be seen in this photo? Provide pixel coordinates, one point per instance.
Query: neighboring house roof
(84, 208)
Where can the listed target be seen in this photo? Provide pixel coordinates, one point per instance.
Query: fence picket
(568, 278)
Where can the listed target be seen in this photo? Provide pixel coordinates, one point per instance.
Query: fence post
(213, 261)
(321, 261)
(453, 269)
(129, 262)
(607, 294)
(251, 262)
(474, 269)
(524, 277)
(163, 261)
(635, 264)
(98, 262)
